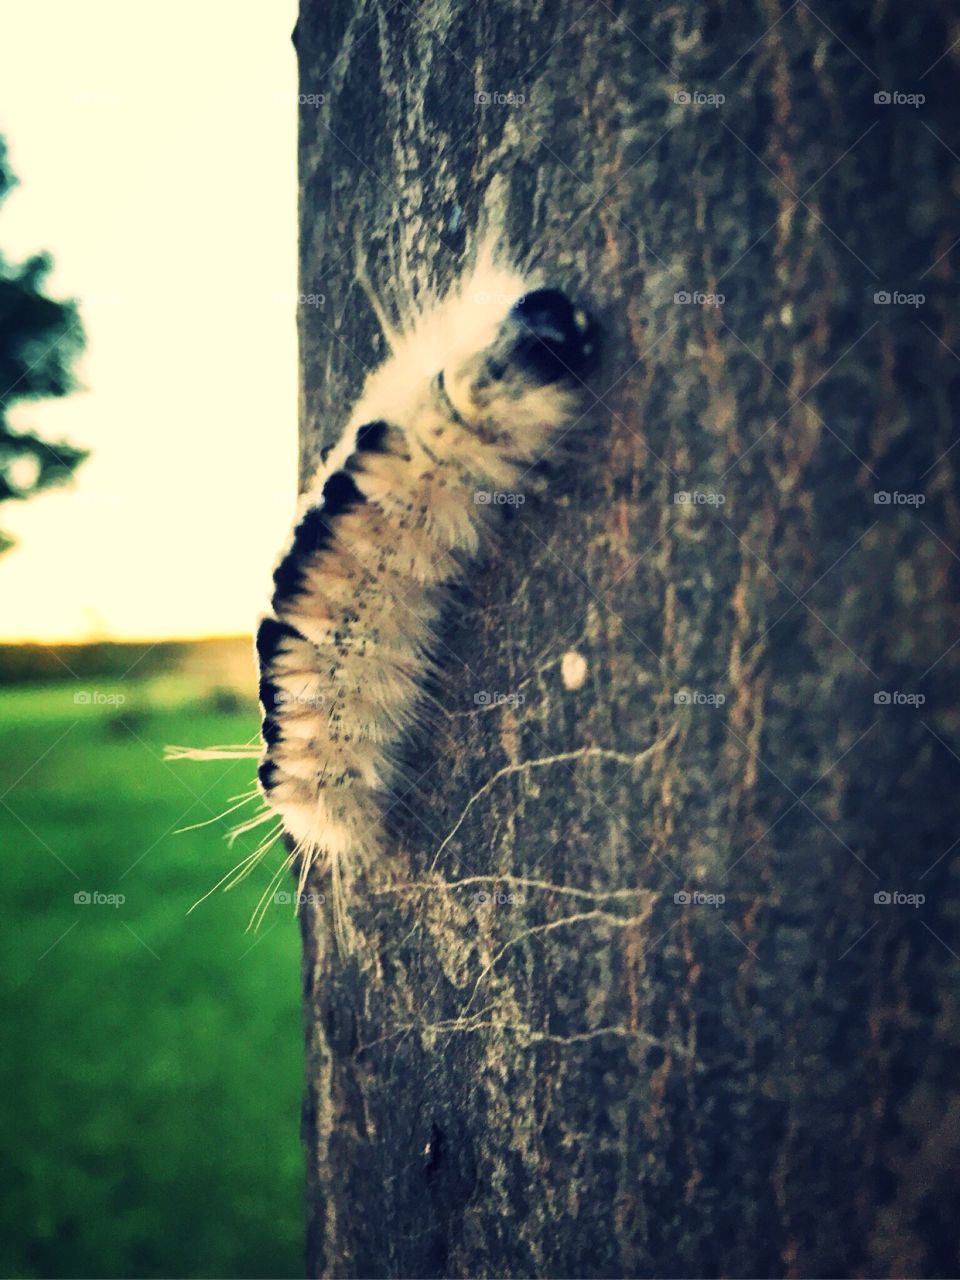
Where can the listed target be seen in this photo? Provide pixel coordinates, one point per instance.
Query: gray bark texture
(539, 1061)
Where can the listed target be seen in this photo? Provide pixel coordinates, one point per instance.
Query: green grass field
(151, 1087)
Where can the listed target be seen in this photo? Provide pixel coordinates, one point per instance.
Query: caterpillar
(475, 389)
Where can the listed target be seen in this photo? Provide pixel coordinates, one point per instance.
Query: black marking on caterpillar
(372, 438)
(340, 493)
(267, 776)
(270, 634)
(474, 393)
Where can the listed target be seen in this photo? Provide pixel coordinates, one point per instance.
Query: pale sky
(156, 152)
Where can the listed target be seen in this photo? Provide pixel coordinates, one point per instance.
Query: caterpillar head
(536, 361)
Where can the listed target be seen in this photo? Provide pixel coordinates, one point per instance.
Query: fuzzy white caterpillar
(473, 392)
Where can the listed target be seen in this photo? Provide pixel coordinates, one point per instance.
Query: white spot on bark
(573, 669)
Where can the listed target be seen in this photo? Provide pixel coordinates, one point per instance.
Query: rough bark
(595, 1079)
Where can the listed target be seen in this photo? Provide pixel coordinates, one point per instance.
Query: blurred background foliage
(150, 1093)
(40, 342)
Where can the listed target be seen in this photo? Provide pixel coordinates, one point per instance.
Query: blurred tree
(40, 340)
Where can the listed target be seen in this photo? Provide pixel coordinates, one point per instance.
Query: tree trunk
(548, 1057)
